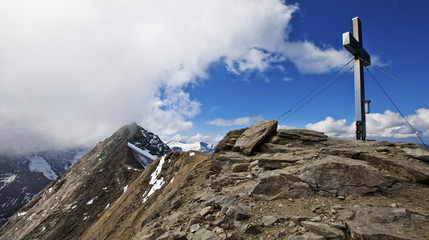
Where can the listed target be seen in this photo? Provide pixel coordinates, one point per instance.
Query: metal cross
(353, 43)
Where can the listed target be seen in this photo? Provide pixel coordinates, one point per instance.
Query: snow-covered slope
(146, 146)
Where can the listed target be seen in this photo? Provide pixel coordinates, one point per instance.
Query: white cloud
(285, 127)
(234, 122)
(309, 58)
(388, 125)
(72, 72)
(332, 127)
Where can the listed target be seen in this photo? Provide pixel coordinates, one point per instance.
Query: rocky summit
(260, 183)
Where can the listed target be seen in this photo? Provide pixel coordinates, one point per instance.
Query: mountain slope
(260, 183)
(67, 206)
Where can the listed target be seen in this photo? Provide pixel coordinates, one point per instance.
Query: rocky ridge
(264, 183)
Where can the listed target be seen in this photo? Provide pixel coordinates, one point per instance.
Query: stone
(240, 167)
(205, 211)
(324, 230)
(279, 235)
(224, 223)
(252, 230)
(316, 219)
(344, 215)
(176, 203)
(388, 223)
(302, 134)
(237, 213)
(306, 236)
(269, 220)
(254, 136)
(418, 153)
(204, 234)
(193, 228)
(173, 236)
(343, 176)
(233, 236)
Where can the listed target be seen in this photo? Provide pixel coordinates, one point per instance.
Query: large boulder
(331, 176)
(418, 153)
(335, 176)
(389, 223)
(254, 136)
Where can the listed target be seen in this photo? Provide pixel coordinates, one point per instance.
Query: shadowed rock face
(288, 184)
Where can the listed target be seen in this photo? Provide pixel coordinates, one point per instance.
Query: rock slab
(254, 136)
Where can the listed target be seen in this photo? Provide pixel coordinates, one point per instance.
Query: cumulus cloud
(280, 126)
(234, 122)
(387, 125)
(72, 72)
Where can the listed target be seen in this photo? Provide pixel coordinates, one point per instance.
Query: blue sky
(74, 72)
(392, 33)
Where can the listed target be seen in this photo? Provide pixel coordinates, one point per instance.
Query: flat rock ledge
(331, 176)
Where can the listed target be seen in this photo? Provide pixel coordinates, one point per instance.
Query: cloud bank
(386, 125)
(72, 72)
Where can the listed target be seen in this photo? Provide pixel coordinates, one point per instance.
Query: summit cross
(353, 43)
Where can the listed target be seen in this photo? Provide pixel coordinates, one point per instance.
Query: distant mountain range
(196, 146)
(23, 176)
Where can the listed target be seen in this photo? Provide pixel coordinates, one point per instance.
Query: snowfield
(39, 164)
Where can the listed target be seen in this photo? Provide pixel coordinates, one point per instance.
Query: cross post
(353, 43)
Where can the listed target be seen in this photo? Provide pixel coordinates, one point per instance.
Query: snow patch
(8, 179)
(90, 201)
(125, 188)
(143, 152)
(21, 214)
(107, 206)
(191, 154)
(156, 183)
(39, 164)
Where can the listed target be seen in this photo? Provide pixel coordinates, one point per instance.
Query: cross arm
(355, 48)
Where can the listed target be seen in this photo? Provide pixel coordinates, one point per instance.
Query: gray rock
(269, 220)
(302, 134)
(204, 234)
(240, 167)
(193, 228)
(254, 136)
(306, 236)
(418, 153)
(344, 214)
(389, 223)
(176, 203)
(237, 213)
(343, 176)
(252, 230)
(324, 230)
(233, 236)
(205, 211)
